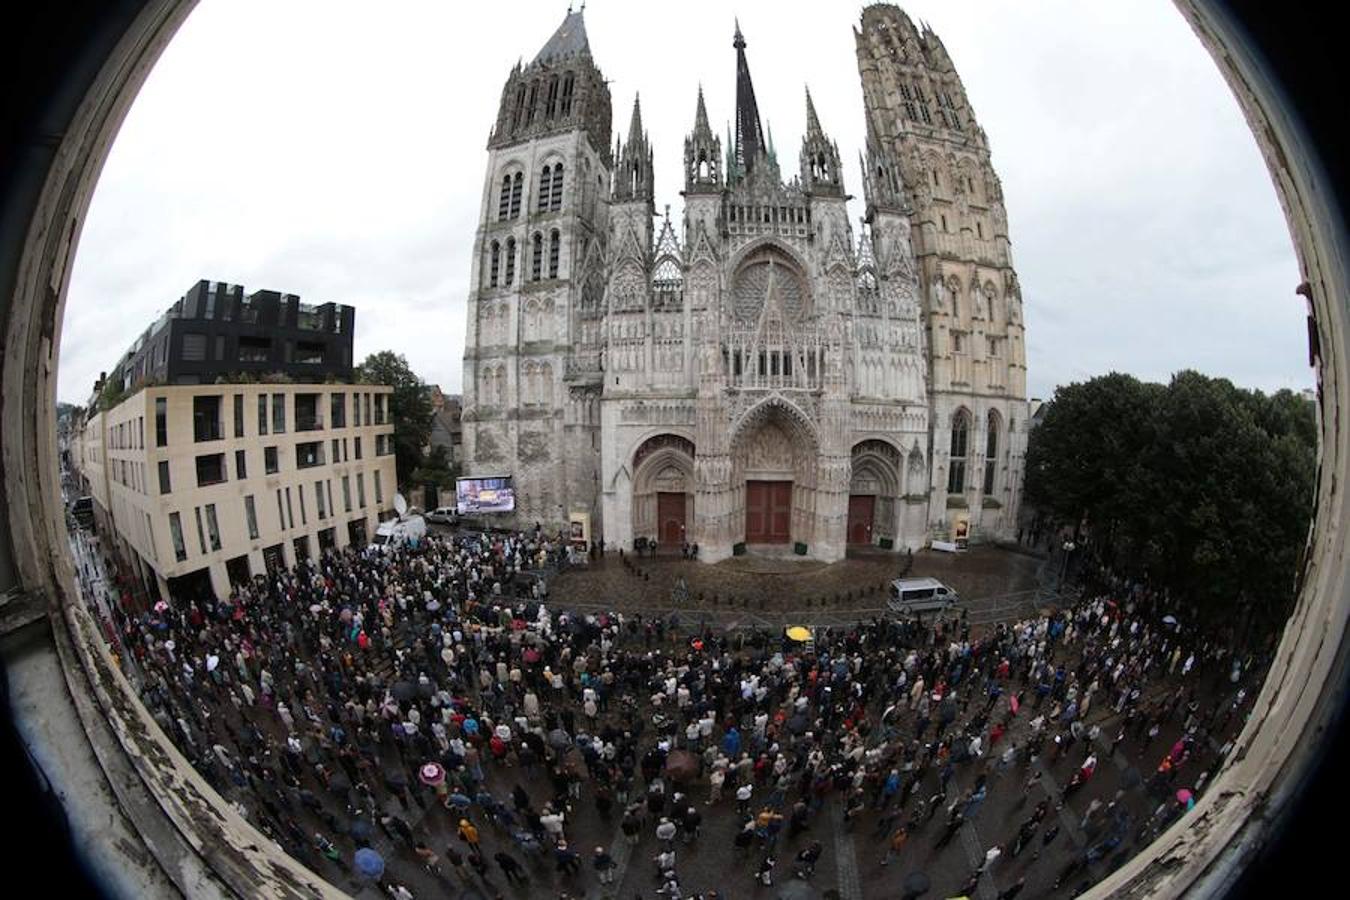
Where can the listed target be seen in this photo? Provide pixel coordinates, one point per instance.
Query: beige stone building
(204, 485)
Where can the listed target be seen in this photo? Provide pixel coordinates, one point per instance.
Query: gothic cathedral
(757, 378)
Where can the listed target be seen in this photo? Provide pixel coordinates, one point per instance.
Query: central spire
(749, 135)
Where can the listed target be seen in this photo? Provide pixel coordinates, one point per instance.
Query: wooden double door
(862, 509)
(768, 512)
(670, 518)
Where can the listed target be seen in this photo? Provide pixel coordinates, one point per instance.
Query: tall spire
(635, 126)
(569, 39)
(749, 134)
(701, 115)
(813, 128)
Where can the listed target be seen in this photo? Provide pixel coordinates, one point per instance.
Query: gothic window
(557, 186)
(552, 107)
(537, 260)
(510, 261)
(979, 230)
(923, 106)
(517, 185)
(545, 188)
(504, 205)
(907, 98)
(991, 453)
(956, 342)
(960, 448)
(496, 263)
(566, 107)
(530, 103)
(517, 117)
(554, 249)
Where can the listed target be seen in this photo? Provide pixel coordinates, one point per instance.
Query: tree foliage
(1199, 485)
(409, 407)
(435, 469)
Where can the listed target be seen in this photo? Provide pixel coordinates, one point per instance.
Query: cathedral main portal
(768, 512)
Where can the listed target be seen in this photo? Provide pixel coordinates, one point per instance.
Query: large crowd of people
(419, 689)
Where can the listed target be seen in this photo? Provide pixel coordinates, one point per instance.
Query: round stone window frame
(149, 825)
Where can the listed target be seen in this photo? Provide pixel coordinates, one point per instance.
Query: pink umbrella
(432, 774)
(1185, 796)
(161, 606)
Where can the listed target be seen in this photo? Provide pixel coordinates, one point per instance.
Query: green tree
(409, 407)
(435, 469)
(1198, 485)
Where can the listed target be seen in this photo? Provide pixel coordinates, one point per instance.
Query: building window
(278, 413)
(212, 526)
(990, 452)
(347, 493)
(201, 532)
(338, 410)
(310, 353)
(557, 187)
(537, 257)
(238, 415)
(328, 490)
(356, 410)
(281, 511)
(368, 417)
(993, 347)
(176, 533)
(361, 489)
(304, 513)
(545, 188)
(262, 414)
(206, 418)
(290, 510)
(318, 500)
(270, 463)
(251, 517)
(210, 469)
(956, 342)
(164, 485)
(517, 188)
(510, 277)
(357, 447)
(308, 412)
(255, 349)
(309, 455)
(194, 348)
(241, 464)
(960, 448)
(337, 457)
(379, 491)
(495, 265)
(567, 85)
(161, 422)
(504, 202)
(554, 251)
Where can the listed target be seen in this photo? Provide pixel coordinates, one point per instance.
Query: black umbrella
(339, 783)
(403, 691)
(427, 691)
(797, 724)
(916, 884)
(360, 830)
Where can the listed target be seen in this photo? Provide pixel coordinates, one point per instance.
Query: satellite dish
(400, 505)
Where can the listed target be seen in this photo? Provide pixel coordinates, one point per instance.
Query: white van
(407, 527)
(920, 595)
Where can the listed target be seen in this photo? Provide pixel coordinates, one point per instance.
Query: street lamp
(1069, 547)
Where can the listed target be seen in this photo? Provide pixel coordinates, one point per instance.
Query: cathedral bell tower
(532, 360)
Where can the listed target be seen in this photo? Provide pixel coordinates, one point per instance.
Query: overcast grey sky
(336, 150)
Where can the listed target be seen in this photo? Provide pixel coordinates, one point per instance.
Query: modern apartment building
(216, 331)
(203, 486)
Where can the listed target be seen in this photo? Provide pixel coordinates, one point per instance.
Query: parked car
(443, 515)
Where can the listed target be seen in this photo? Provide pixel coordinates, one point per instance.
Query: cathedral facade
(757, 377)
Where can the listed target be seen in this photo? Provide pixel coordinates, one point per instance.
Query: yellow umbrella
(799, 633)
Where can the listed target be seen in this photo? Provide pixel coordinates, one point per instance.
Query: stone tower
(534, 341)
(920, 127)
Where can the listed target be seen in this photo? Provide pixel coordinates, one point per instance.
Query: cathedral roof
(568, 40)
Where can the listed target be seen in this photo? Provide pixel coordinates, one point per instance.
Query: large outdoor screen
(484, 495)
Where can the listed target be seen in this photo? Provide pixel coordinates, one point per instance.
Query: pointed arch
(517, 188)
(993, 427)
(510, 276)
(545, 188)
(495, 265)
(536, 256)
(958, 451)
(554, 252)
(557, 191)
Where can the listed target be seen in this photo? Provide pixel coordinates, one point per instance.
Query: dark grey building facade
(216, 330)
